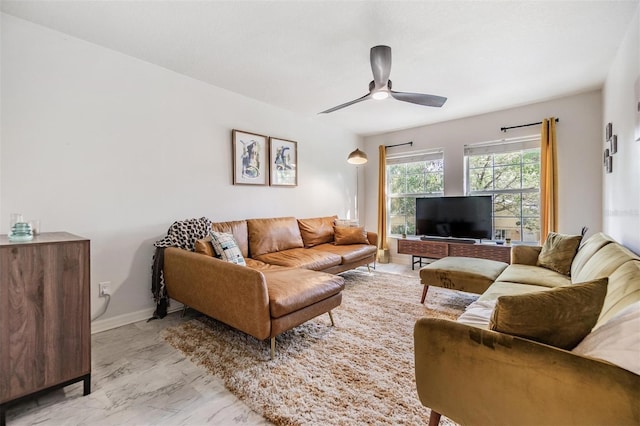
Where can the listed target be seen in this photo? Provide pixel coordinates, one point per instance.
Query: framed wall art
(250, 158)
(283, 163)
(608, 131)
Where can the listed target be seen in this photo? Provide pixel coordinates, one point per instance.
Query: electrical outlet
(104, 288)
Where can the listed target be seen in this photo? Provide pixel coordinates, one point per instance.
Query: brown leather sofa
(288, 279)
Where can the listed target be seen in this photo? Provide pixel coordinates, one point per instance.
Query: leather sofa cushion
(350, 253)
(238, 229)
(273, 235)
(291, 290)
(317, 230)
(350, 235)
(302, 258)
(204, 246)
(533, 275)
(261, 266)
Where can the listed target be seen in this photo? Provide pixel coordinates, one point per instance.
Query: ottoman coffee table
(461, 273)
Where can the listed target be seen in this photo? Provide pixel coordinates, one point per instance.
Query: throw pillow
(558, 252)
(348, 235)
(316, 231)
(205, 247)
(226, 248)
(616, 341)
(559, 317)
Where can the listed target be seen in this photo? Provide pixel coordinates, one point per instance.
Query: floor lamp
(357, 157)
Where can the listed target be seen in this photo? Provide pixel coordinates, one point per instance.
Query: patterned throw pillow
(226, 248)
(559, 317)
(558, 252)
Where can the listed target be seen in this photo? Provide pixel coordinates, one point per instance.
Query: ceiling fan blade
(380, 65)
(419, 98)
(355, 101)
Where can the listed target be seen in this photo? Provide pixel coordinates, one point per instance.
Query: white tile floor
(139, 379)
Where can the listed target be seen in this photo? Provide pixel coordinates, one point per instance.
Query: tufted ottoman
(461, 273)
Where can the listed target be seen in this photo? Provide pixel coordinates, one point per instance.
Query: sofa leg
(424, 293)
(273, 348)
(368, 268)
(434, 418)
(184, 311)
(333, 324)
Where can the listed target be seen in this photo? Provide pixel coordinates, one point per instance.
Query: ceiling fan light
(357, 157)
(380, 94)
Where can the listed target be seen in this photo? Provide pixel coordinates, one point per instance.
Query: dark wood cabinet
(419, 249)
(45, 324)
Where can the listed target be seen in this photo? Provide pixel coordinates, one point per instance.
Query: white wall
(621, 207)
(579, 135)
(115, 149)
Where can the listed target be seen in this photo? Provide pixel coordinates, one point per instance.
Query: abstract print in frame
(283, 162)
(250, 158)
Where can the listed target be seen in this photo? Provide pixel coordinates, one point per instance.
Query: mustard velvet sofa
(289, 277)
(477, 376)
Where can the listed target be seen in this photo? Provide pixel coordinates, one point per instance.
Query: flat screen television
(454, 217)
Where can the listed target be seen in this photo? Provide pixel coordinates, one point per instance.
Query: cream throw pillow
(616, 341)
(226, 248)
(559, 317)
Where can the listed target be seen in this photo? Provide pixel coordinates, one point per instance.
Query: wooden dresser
(45, 324)
(419, 249)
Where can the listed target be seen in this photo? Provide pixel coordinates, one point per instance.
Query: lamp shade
(357, 157)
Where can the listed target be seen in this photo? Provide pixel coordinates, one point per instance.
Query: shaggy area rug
(359, 372)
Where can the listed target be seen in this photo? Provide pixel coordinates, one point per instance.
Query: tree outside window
(411, 176)
(510, 171)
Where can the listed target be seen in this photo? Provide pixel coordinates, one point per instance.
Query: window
(510, 171)
(409, 176)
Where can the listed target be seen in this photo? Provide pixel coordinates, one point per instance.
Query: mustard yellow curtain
(383, 250)
(548, 179)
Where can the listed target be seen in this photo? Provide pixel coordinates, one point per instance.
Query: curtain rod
(504, 129)
(399, 144)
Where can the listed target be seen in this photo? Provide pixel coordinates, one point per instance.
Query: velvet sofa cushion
(273, 235)
(558, 252)
(350, 235)
(317, 230)
(533, 275)
(559, 317)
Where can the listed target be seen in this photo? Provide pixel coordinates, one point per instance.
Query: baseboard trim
(99, 326)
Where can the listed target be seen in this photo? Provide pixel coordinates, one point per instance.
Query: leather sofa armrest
(525, 255)
(373, 238)
(477, 376)
(234, 294)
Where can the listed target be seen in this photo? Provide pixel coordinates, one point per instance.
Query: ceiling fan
(380, 87)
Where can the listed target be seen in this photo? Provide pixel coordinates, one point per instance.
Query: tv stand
(437, 249)
(448, 239)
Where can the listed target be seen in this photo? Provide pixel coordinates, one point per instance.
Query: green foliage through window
(407, 181)
(513, 178)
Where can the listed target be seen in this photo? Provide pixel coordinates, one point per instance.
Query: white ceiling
(307, 56)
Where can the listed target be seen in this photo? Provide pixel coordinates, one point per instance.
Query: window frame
(406, 158)
(505, 146)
